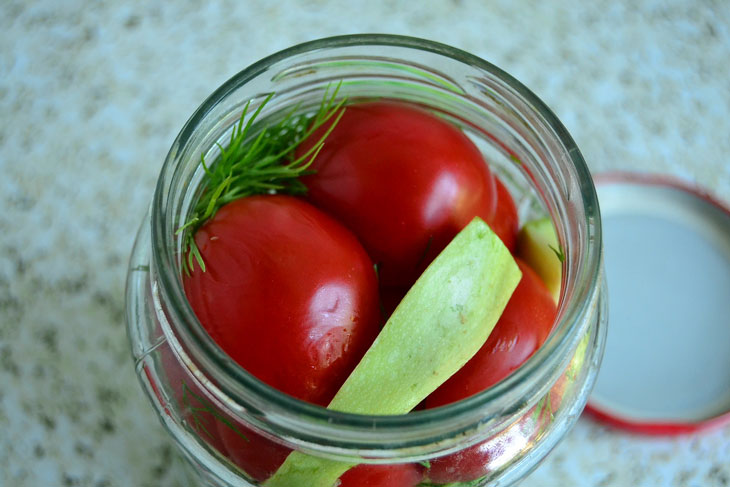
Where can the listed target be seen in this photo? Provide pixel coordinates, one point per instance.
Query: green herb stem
(260, 164)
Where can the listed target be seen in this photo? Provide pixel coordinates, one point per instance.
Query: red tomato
(476, 461)
(403, 475)
(463, 466)
(403, 180)
(523, 327)
(505, 222)
(504, 225)
(258, 456)
(192, 403)
(288, 293)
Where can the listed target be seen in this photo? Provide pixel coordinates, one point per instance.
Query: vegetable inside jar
(348, 273)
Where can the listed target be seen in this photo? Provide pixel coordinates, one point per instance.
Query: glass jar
(235, 430)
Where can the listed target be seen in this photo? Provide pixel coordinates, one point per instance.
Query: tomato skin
(403, 180)
(193, 406)
(478, 460)
(524, 325)
(401, 475)
(288, 293)
(257, 455)
(506, 221)
(463, 466)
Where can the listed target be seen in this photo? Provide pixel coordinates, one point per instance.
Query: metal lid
(666, 368)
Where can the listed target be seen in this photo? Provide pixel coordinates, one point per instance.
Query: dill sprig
(260, 164)
(559, 253)
(197, 412)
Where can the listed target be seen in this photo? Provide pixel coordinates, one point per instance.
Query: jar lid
(666, 368)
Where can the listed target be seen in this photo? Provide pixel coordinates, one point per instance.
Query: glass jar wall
(235, 430)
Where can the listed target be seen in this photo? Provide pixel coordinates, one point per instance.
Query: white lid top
(666, 367)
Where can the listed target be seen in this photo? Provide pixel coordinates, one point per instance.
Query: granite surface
(93, 93)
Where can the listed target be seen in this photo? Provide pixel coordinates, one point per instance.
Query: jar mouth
(269, 408)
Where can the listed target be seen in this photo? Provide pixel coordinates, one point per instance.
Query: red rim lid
(666, 368)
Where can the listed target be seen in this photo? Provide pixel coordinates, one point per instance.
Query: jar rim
(296, 415)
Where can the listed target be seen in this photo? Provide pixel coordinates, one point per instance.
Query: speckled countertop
(93, 93)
